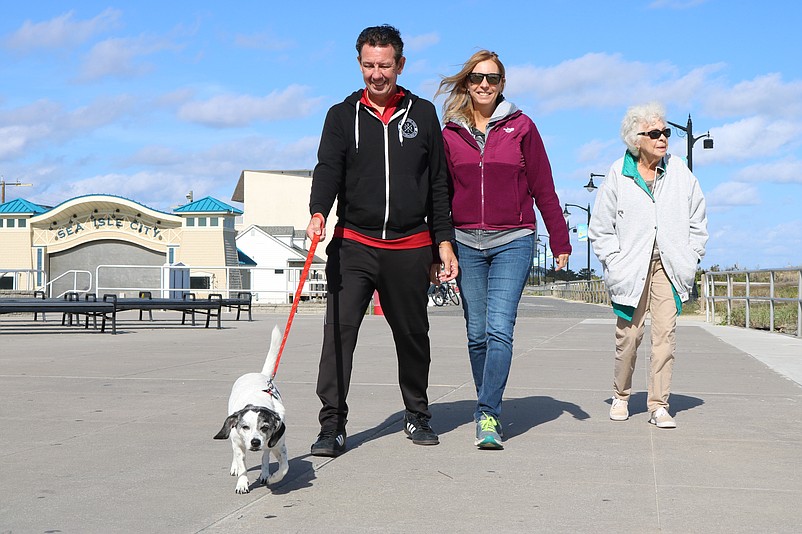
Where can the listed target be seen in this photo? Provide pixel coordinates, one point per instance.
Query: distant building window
(171, 255)
(10, 223)
(40, 255)
(201, 221)
(23, 223)
(199, 282)
(190, 221)
(213, 221)
(1, 222)
(279, 271)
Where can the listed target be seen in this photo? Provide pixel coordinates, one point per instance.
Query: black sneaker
(329, 443)
(418, 430)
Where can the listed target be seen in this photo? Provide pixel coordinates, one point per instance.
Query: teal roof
(244, 259)
(21, 205)
(208, 205)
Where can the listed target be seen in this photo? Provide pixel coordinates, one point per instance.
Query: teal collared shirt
(631, 169)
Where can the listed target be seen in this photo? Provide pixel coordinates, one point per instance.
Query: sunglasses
(655, 134)
(477, 77)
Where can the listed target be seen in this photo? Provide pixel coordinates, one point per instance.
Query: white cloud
(226, 111)
(731, 194)
(117, 57)
(767, 94)
(16, 139)
(788, 170)
(43, 120)
(597, 150)
(168, 173)
(155, 156)
(416, 43)
(61, 31)
(602, 80)
(746, 139)
(262, 41)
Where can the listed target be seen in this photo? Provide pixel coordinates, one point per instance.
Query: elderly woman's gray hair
(638, 117)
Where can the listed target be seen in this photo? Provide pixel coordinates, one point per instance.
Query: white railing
(75, 289)
(174, 280)
(25, 279)
(764, 298)
(593, 291)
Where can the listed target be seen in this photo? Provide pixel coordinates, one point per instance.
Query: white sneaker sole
(665, 424)
(618, 417)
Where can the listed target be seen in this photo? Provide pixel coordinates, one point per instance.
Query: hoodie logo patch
(408, 129)
(509, 130)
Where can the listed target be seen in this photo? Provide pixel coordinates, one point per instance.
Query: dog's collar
(272, 390)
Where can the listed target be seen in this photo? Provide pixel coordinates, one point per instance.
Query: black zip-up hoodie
(389, 181)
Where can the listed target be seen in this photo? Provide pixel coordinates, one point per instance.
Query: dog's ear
(229, 423)
(276, 436)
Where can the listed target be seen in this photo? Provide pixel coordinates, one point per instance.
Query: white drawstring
(401, 124)
(356, 126)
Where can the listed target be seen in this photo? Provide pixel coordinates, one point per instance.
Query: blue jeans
(491, 282)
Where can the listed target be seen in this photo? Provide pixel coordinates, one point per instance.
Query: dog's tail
(272, 354)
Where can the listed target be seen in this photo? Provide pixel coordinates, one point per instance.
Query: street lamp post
(591, 187)
(567, 213)
(3, 185)
(538, 244)
(688, 129)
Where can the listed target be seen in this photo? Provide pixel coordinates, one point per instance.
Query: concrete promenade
(102, 433)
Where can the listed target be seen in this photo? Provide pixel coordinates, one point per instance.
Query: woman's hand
(562, 261)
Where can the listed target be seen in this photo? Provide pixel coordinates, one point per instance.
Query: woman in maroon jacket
(498, 170)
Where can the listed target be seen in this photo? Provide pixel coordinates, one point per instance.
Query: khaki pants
(658, 300)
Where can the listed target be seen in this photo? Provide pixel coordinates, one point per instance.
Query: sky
(149, 100)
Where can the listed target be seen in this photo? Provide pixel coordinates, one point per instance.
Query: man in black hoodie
(381, 157)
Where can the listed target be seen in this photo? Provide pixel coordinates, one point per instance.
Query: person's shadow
(520, 416)
(677, 403)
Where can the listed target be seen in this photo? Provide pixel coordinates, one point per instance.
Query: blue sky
(149, 100)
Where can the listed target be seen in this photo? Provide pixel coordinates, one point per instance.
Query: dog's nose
(256, 443)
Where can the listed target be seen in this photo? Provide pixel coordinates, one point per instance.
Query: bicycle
(442, 293)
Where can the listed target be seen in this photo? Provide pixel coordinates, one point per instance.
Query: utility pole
(3, 185)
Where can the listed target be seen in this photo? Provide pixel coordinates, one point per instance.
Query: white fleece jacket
(626, 220)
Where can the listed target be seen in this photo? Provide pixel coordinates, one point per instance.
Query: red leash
(297, 299)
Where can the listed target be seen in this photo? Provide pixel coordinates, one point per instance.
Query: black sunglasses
(477, 77)
(655, 134)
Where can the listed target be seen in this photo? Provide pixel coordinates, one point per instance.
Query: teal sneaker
(488, 432)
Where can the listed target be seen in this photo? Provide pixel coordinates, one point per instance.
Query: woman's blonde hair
(458, 105)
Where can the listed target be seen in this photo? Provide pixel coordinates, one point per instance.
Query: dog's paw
(243, 486)
(236, 469)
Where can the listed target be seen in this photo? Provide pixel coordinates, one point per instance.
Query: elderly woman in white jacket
(649, 230)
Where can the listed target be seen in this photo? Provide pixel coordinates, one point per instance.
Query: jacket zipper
(386, 180)
(386, 133)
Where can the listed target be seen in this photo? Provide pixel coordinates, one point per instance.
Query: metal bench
(187, 306)
(242, 302)
(71, 307)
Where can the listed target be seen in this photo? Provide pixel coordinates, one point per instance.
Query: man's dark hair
(384, 35)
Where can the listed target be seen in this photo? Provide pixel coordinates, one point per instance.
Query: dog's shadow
(300, 476)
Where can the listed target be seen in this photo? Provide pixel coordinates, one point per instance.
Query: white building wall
(270, 255)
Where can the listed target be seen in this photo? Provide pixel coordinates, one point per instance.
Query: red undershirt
(421, 239)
